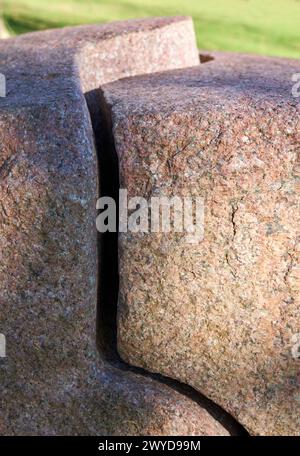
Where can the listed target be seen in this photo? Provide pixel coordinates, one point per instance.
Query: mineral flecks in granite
(221, 315)
(53, 380)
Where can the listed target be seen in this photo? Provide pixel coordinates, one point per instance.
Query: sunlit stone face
(220, 315)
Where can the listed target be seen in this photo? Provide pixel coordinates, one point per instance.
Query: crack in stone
(289, 268)
(234, 209)
(108, 171)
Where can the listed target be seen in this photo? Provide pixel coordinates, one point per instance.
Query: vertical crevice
(108, 284)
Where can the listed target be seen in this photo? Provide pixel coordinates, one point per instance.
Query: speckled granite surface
(221, 315)
(53, 381)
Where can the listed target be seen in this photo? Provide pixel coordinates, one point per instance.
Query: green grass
(262, 26)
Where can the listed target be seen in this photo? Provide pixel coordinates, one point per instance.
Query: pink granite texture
(221, 315)
(53, 380)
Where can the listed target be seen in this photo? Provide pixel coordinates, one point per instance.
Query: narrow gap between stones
(108, 283)
(205, 57)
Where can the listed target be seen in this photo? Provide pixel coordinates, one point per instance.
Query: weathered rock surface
(221, 315)
(53, 381)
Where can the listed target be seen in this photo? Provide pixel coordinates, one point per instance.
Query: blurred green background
(262, 26)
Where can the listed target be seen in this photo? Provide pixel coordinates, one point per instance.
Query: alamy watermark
(2, 346)
(296, 86)
(2, 86)
(161, 214)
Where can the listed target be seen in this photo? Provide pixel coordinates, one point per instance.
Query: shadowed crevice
(204, 58)
(108, 283)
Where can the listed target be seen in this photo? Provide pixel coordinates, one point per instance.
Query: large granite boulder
(53, 380)
(221, 314)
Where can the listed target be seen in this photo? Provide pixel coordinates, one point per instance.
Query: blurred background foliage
(270, 27)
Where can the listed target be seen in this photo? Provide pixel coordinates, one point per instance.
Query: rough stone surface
(53, 380)
(222, 315)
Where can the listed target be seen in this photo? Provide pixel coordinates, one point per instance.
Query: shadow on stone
(108, 285)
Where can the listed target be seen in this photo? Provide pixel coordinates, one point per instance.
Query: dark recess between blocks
(108, 282)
